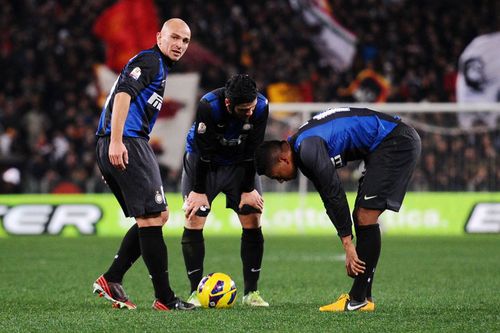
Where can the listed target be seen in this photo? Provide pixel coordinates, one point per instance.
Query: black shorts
(225, 179)
(138, 188)
(388, 170)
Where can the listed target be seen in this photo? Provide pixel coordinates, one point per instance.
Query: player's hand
(253, 199)
(118, 155)
(193, 202)
(353, 265)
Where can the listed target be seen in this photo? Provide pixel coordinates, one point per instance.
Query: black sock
(369, 289)
(368, 246)
(128, 253)
(252, 250)
(193, 249)
(154, 254)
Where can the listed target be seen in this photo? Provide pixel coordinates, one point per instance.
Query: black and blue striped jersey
(349, 133)
(328, 141)
(220, 138)
(143, 78)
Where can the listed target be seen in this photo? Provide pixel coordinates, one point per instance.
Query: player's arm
(206, 144)
(318, 167)
(254, 139)
(205, 141)
(118, 154)
(135, 77)
(249, 195)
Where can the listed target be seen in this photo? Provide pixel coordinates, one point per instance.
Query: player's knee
(164, 217)
(153, 220)
(195, 222)
(364, 216)
(250, 221)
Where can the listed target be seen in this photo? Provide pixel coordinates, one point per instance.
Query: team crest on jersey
(247, 127)
(135, 73)
(202, 128)
(159, 197)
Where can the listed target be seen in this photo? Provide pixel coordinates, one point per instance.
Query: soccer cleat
(369, 307)
(193, 299)
(175, 304)
(344, 304)
(253, 298)
(113, 292)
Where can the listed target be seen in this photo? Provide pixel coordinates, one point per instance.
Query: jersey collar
(169, 62)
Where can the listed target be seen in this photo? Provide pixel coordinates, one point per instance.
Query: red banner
(126, 28)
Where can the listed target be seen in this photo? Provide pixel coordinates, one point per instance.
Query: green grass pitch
(436, 284)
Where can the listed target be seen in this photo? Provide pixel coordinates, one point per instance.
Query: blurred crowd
(49, 113)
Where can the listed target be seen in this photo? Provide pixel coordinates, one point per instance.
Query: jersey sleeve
(138, 74)
(205, 141)
(317, 166)
(255, 138)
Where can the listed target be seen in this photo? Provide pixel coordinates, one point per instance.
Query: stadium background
(59, 57)
(54, 60)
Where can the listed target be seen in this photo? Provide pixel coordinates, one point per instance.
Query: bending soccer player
(230, 124)
(129, 166)
(390, 150)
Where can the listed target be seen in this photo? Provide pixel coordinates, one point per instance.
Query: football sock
(368, 246)
(193, 249)
(252, 250)
(154, 254)
(369, 289)
(128, 253)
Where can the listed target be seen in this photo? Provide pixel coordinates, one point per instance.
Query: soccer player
(129, 166)
(230, 124)
(390, 150)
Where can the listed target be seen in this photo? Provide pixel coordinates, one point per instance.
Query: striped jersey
(349, 133)
(220, 138)
(143, 78)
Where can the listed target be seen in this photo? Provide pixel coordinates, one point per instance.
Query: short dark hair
(240, 88)
(266, 156)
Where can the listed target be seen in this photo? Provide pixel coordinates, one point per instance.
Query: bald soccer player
(130, 168)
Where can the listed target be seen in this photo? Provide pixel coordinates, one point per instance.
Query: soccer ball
(216, 290)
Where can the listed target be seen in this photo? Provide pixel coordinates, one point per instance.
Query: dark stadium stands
(48, 110)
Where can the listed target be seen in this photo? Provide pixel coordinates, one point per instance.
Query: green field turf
(438, 284)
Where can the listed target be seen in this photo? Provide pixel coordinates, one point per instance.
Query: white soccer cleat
(253, 298)
(193, 299)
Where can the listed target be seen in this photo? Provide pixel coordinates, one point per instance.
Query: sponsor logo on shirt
(156, 100)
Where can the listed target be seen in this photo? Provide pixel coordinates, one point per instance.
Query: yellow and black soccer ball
(217, 290)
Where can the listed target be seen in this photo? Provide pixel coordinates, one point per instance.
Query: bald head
(173, 39)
